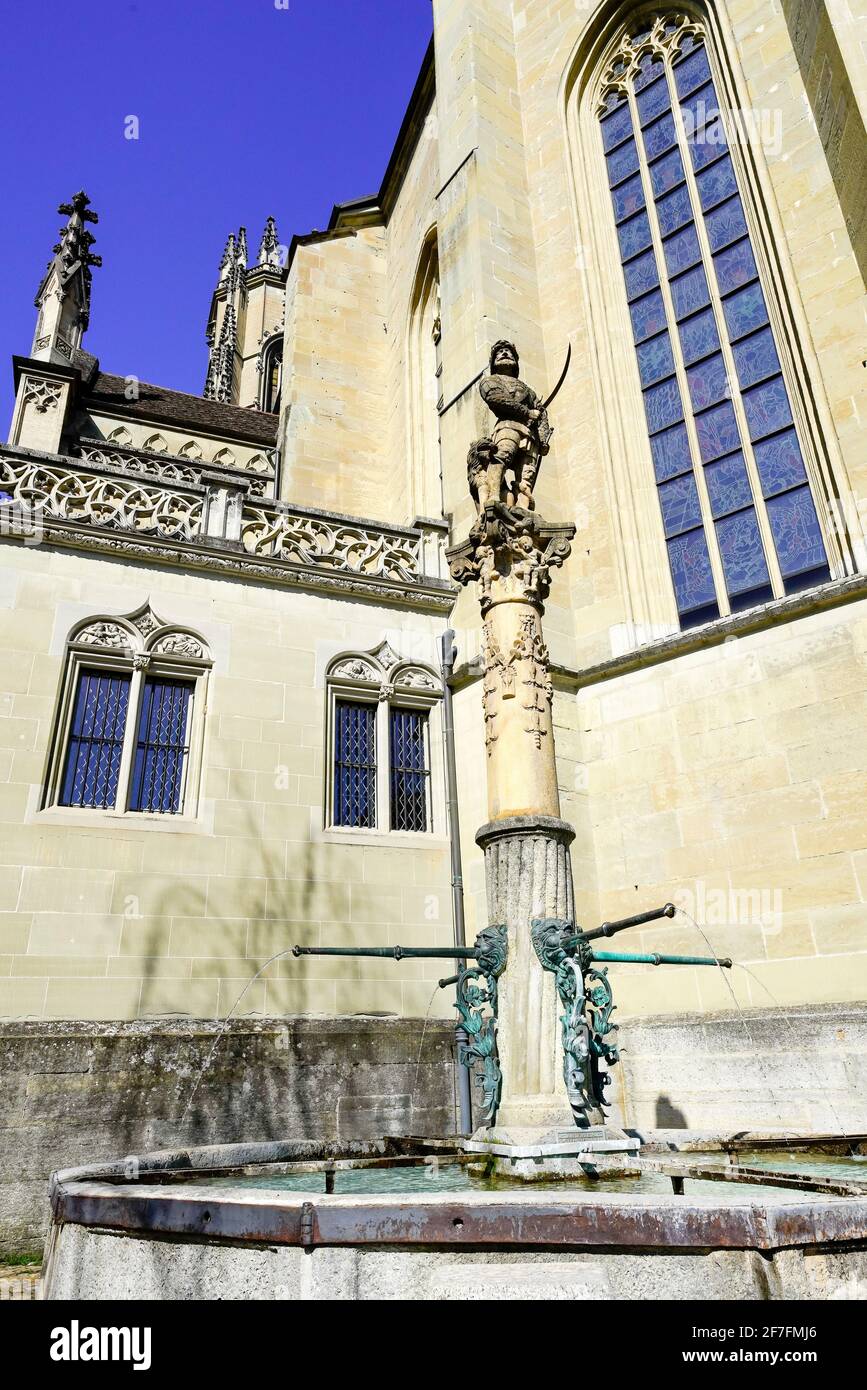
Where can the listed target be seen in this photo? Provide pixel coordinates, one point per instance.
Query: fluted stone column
(529, 875)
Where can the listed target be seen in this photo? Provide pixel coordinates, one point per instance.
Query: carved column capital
(510, 553)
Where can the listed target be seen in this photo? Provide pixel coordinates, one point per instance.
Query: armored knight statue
(503, 468)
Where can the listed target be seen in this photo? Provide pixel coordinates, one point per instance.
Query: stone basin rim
(517, 1219)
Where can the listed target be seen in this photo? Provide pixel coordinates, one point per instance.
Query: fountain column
(510, 553)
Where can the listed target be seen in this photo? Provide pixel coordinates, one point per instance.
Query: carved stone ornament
(178, 644)
(416, 679)
(356, 669)
(643, 50)
(308, 540)
(384, 668)
(45, 395)
(141, 633)
(523, 674)
(104, 635)
(146, 621)
(137, 493)
(510, 553)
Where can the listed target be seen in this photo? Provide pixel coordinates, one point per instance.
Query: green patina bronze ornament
(586, 1019)
(477, 1006)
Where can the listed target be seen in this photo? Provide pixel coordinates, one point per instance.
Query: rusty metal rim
(624, 1222)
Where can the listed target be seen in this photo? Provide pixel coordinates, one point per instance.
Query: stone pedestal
(529, 875)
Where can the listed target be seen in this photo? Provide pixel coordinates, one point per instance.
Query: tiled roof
(176, 407)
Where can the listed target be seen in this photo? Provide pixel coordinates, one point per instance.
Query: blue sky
(245, 108)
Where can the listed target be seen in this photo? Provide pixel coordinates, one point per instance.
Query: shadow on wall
(668, 1116)
(837, 114)
(305, 1077)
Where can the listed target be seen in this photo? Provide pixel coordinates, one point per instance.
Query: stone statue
(503, 468)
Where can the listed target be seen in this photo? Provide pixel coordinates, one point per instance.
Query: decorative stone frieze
(111, 512)
(101, 501)
(310, 540)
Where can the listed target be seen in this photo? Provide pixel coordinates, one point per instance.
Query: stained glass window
(95, 744)
(355, 764)
(409, 769)
(738, 515)
(162, 746)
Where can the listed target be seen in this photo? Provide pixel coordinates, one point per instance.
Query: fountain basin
(224, 1223)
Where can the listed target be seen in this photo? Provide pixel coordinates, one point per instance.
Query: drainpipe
(447, 661)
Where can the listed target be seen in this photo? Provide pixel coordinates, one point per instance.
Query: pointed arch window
(129, 726)
(272, 374)
(738, 514)
(425, 370)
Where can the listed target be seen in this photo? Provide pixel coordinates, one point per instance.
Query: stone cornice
(785, 610)
(825, 598)
(429, 595)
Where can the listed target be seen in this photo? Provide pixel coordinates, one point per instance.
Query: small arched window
(129, 725)
(739, 519)
(380, 736)
(272, 374)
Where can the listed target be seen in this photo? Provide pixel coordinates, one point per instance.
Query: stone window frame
(271, 344)
(138, 644)
(640, 546)
(384, 680)
(423, 352)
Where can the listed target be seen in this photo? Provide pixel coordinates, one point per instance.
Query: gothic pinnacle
(269, 246)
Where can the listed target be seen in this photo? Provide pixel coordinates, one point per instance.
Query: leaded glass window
(739, 519)
(162, 746)
(128, 735)
(355, 764)
(95, 745)
(379, 737)
(408, 769)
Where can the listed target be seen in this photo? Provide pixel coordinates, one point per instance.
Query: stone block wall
(800, 1069)
(120, 917)
(73, 1093)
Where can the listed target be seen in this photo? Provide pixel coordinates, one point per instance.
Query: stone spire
(63, 297)
(269, 246)
(246, 312)
(227, 308)
(227, 264)
(221, 368)
(241, 251)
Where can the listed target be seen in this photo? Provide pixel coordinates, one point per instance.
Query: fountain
(545, 1198)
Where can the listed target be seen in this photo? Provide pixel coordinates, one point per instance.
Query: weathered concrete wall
(101, 1265)
(804, 1068)
(73, 1093)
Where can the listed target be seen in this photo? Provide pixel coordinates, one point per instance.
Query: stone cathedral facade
(221, 706)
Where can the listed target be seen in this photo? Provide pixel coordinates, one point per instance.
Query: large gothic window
(737, 511)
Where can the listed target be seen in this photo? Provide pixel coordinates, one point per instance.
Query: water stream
(757, 1052)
